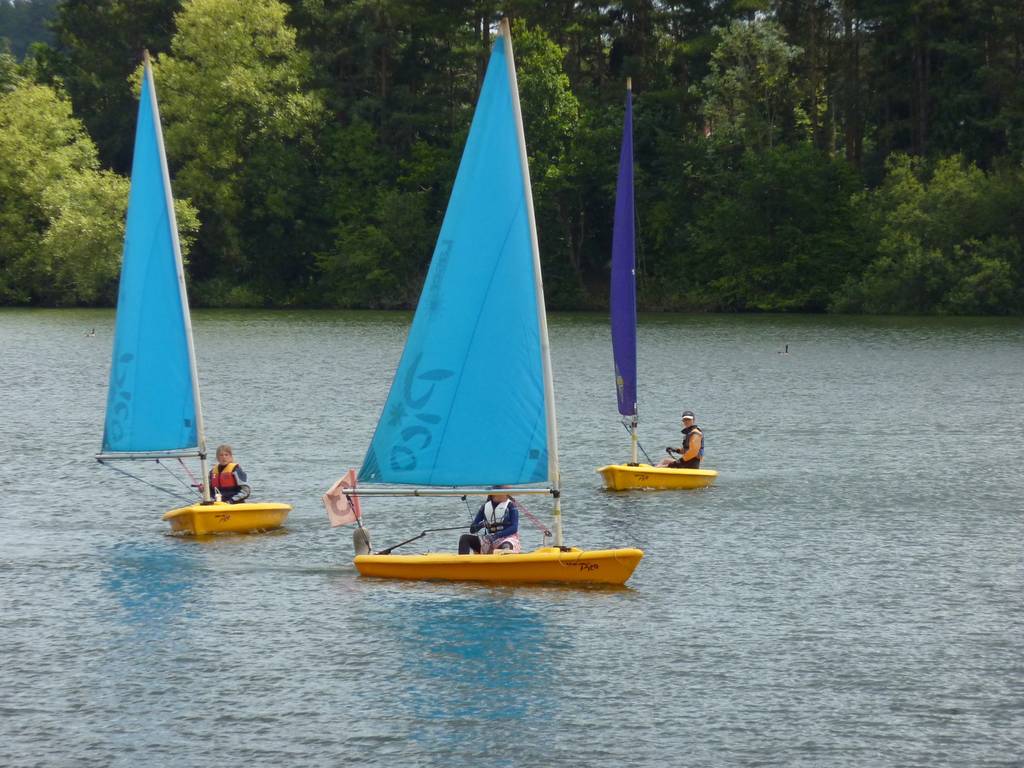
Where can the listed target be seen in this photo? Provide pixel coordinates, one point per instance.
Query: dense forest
(791, 155)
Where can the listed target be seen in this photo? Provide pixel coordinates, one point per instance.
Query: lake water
(850, 592)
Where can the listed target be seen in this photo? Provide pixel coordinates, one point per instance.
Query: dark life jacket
(688, 433)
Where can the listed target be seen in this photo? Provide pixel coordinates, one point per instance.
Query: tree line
(791, 155)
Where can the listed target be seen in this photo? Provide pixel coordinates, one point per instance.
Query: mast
(180, 269)
(545, 346)
(634, 438)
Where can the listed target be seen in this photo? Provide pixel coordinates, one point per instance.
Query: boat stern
(218, 517)
(625, 477)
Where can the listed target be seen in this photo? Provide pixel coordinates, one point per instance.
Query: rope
(146, 482)
(195, 483)
(638, 444)
(540, 526)
(190, 487)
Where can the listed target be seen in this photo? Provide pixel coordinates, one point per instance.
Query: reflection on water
(152, 583)
(473, 667)
(488, 648)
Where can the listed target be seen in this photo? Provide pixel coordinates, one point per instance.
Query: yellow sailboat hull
(546, 564)
(218, 517)
(623, 477)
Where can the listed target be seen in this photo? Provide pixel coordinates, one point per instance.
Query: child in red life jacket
(227, 479)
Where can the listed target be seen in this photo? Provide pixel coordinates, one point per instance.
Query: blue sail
(150, 403)
(623, 278)
(467, 405)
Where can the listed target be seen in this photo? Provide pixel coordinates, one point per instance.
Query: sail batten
(468, 405)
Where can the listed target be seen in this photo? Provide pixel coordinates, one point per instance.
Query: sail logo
(120, 407)
(414, 416)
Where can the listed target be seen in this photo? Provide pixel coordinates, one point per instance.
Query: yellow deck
(546, 564)
(622, 477)
(218, 517)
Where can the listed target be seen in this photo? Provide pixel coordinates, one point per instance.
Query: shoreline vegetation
(811, 156)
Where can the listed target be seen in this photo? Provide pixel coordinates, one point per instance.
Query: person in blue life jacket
(228, 481)
(691, 451)
(494, 529)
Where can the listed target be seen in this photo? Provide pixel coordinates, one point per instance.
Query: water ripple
(848, 594)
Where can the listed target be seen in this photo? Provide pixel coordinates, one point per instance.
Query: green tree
(946, 243)
(99, 43)
(240, 134)
(551, 115)
(61, 217)
(383, 234)
(399, 78)
(9, 74)
(777, 233)
(320, 140)
(750, 98)
(24, 22)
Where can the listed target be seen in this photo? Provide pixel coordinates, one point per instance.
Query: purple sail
(623, 283)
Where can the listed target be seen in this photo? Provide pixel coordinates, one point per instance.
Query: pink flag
(342, 509)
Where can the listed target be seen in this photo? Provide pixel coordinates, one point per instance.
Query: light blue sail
(466, 406)
(150, 403)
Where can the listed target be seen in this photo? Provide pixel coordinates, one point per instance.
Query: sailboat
(472, 406)
(623, 320)
(153, 405)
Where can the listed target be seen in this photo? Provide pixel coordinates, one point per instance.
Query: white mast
(545, 346)
(180, 268)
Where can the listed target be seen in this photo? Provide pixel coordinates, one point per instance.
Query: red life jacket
(224, 480)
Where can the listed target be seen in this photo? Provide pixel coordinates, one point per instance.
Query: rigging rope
(195, 483)
(191, 488)
(540, 526)
(146, 482)
(638, 444)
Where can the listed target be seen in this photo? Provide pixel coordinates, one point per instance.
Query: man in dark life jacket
(227, 479)
(692, 449)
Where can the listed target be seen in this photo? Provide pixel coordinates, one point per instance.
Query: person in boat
(495, 527)
(691, 451)
(228, 482)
